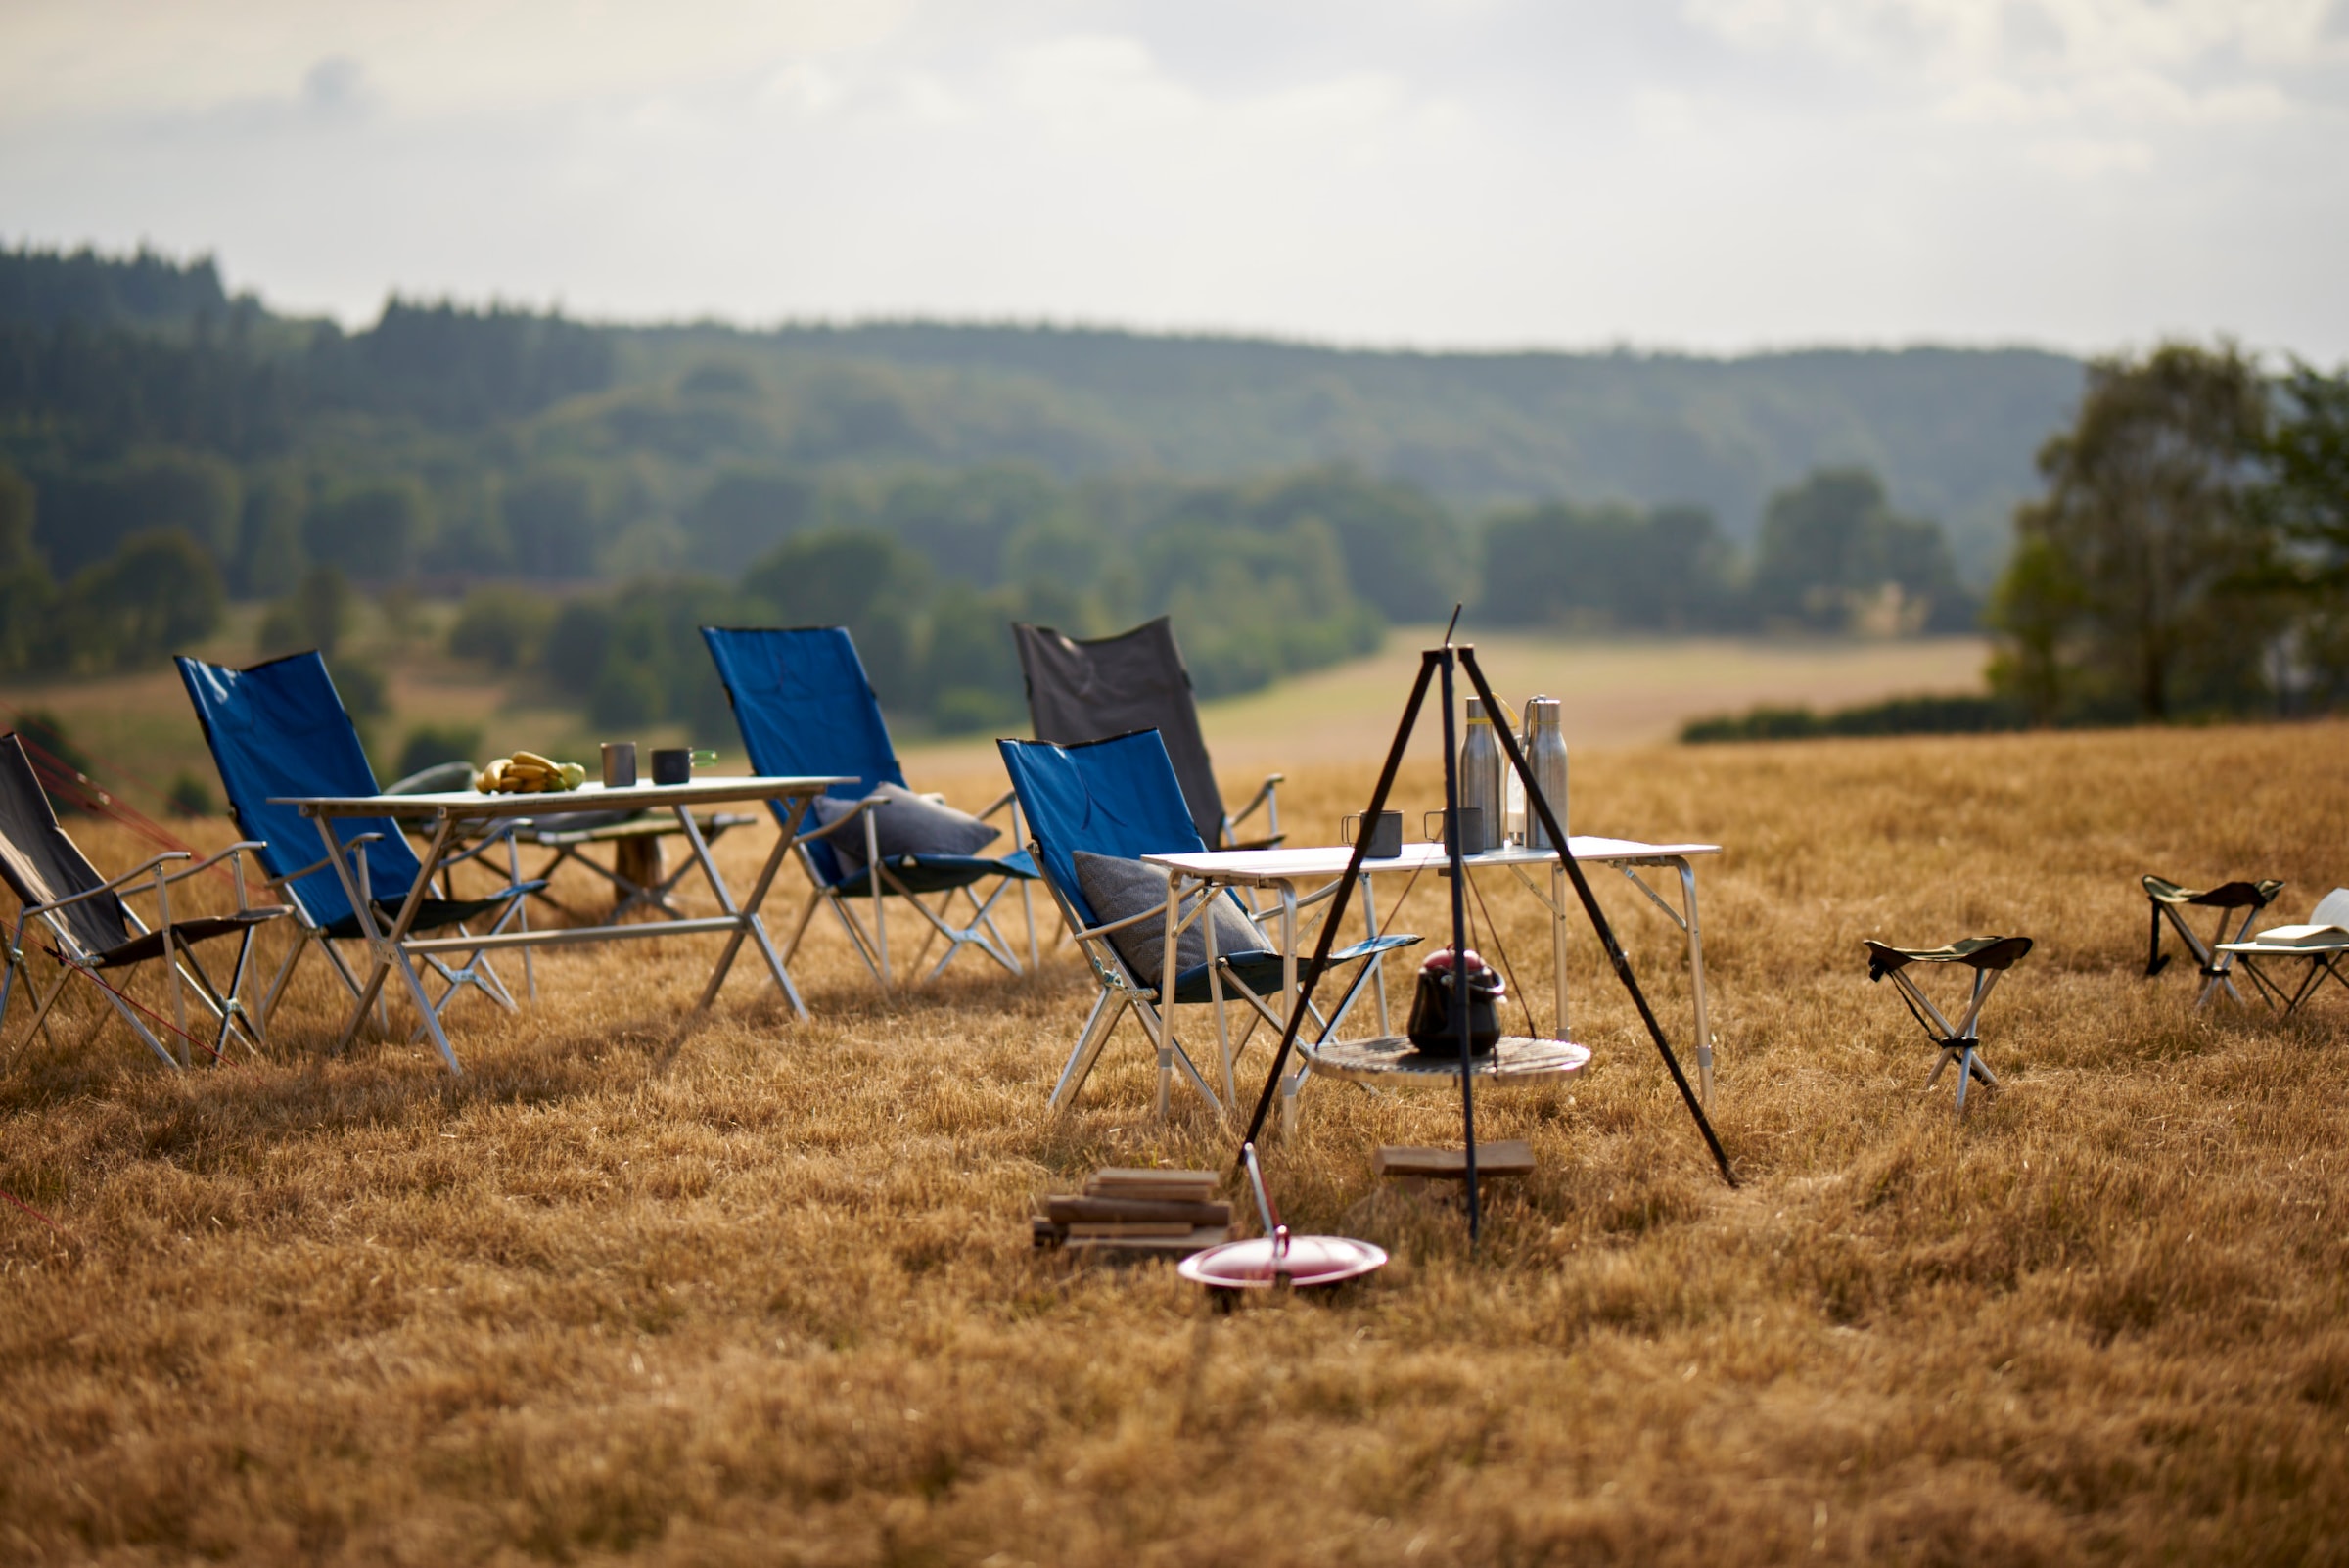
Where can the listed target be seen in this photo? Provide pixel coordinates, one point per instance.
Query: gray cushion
(1118, 888)
(907, 824)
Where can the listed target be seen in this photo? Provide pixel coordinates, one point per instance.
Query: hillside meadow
(748, 1289)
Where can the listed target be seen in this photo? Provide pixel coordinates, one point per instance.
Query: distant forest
(592, 492)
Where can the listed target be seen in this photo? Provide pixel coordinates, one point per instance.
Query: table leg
(746, 919)
(1378, 961)
(1696, 983)
(386, 944)
(1557, 940)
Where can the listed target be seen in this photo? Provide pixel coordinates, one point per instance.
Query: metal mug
(673, 765)
(620, 765)
(1386, 833)
(1472, 829)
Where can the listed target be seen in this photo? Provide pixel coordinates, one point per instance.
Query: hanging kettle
(1433, 1027)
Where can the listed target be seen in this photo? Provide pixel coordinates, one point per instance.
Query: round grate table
(1392, 1059)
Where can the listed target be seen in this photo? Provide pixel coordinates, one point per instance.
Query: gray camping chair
(2170, 901)
(1988, 958)
(92, 930)
(1089, 690)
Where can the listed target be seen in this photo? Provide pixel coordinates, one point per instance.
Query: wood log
(1070, 1211)
(1509, 1157)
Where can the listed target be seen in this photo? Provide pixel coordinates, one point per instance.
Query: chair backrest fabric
(280, 729)
(2333, 909)
(1116, 796)
(41, 865)
(1081, 691)
(803, 706)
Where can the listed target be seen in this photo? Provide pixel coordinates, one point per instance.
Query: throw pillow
(903, 824)
(1118, 888)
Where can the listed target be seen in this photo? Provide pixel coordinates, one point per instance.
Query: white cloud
(1717, 173)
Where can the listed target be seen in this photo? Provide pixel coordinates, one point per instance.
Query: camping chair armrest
(241, 846)
(112, 884)
(830, 828)
(319, 864)
(322, 863)
(1264, 796)
(478, 848)
(1184, 921)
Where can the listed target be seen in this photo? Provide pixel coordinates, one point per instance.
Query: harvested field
(762, 1291)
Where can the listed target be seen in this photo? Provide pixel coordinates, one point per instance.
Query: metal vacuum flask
(1481, 767)
(1544, 743)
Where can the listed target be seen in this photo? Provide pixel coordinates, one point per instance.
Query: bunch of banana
(528, 773)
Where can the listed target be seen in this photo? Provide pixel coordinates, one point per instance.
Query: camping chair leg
(518, 909)
(40, 1016)
(857, 937)
(1099, 1024)
(872, 880)
(172, 951)
(233, 1005)
(791, 947)
(138, 1026)
(424, 1003)
(285, 972)
(1160, 1026)
(10, 962)
(1214, 994)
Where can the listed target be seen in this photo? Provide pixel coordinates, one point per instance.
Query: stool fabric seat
(2166, 900)
(1975, 952)
(1988, 958)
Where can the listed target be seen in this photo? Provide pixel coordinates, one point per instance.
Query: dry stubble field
(762, 1291)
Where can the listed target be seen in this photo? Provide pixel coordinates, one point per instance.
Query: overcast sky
(1705, 175)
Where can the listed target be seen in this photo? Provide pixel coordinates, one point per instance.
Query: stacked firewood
(1169, 1214)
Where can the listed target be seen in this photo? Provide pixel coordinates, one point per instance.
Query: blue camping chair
(280, 729)
(803, 706)
(1121, 798)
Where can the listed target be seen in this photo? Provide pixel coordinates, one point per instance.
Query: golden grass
(764, 1293)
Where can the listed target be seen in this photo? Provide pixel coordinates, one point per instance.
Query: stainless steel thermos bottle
(1544, 743)
(1481, 766)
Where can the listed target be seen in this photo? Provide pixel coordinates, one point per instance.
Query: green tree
(551, 523)
(315, 615)
(1404, 555)
(2127, 591)
(744, 513)
(370, 530)
(1564, 566)
(153, 597)
(25, 588)
(856, 578)
(270, 554)
(1833, 556)
(502, 627)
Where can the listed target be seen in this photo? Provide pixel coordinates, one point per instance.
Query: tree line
(2191, 552)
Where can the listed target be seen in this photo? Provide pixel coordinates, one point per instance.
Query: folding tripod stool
(1988, 958)
(2169, 899)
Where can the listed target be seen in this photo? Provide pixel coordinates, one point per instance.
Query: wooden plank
(1135, 1249)
(1116, 1181)
(1131, 1229)
(1069, 1210)
(1509, 1157)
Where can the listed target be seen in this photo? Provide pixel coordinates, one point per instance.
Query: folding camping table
(1281, 870)
(2322, 961)
(453, 811)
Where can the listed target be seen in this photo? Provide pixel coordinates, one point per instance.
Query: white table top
(1262, 867)
(2280, 950)
(705, 791)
